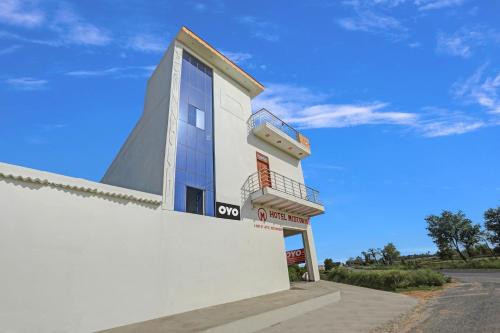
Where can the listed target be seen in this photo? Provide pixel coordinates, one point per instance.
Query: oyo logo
(229, 211)
(261, 213)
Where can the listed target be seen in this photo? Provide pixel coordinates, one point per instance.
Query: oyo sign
(227, 211)
(295, 257)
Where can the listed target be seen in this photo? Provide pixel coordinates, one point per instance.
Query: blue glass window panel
(180, 197)
(200, 163)
(191, 136)
(191, 159)
(209, 203)
(197, 90)
(200, 119)
(192, 115)
(180, 177)
(182, 133)
(181, 157)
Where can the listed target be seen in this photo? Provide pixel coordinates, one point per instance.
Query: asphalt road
(472, 306)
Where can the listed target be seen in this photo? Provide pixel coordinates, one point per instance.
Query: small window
(194, 200)
(196, 117)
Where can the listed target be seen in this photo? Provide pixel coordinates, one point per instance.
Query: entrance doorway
(297, 254)
(263, 170)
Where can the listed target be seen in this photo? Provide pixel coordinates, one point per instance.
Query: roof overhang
(220, 61)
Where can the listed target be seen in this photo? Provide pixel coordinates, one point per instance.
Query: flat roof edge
(220, 61)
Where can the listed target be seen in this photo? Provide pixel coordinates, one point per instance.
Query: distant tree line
(387, 255)
(455, 234)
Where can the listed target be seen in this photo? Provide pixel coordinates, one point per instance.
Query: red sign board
(295, 257)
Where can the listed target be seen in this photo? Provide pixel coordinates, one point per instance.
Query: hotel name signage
(227, 211)
(267, 214)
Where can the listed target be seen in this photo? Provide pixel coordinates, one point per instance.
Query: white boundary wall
(75, 256)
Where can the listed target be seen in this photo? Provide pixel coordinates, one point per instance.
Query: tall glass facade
(194, 170)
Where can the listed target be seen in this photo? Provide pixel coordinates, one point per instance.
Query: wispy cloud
(368, 18)
(76, 30)
(237, 57)
(369, 21)
(20, 13)
(260, 29)
(462, 42)
(147, 43)
(305, 109)
(435, 122)
(12, 36)
(117, 72)
(27, 83)
(9, 49)
(480, 89)
(65, 25)
(424, 5)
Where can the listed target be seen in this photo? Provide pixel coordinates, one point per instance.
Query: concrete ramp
(250, 315)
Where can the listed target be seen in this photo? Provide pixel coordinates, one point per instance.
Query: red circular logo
(261, 213)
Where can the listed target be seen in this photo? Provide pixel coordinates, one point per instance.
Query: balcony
(275, 131)
(268, 188)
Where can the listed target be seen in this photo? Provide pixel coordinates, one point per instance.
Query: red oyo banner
(295, 257)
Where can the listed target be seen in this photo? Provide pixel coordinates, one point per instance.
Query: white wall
(74, 261)
(139, 164)
(236, 147)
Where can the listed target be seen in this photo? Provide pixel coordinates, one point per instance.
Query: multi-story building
(192, 212)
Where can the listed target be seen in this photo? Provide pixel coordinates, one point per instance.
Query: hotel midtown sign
(270, 215)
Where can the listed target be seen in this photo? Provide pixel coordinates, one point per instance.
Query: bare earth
(471, 304)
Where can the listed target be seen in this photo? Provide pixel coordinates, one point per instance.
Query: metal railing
(267, 178)
(264, 116)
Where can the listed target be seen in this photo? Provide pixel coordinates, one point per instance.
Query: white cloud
(484, 92)
(367, 20)
(12, 36)
(20, 13)
(27, 83)
(445, 128)
(435, 122)
(237, 57)
(117, 72)
(10, 49)
(260, 29)
(305, 109)
(464, 41)
(74, 29)
(424, 5)
(147, 43)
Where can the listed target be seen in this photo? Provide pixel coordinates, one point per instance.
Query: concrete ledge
(249, 315)
(268, 319)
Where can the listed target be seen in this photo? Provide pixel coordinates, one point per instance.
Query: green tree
(367, 258)
(471, 235)
(328, 264)
(390, 254)
(492, 224)
(450, 230)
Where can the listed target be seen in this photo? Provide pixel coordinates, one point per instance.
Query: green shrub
(387, 279)
(295, 273)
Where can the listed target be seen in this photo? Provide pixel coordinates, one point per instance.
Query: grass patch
(390, 279)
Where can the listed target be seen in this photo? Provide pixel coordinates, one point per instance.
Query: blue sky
(400, 98)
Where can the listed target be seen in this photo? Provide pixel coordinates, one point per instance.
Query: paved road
(473, 306)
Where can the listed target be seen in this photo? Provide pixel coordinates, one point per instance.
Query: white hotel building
(192, 212)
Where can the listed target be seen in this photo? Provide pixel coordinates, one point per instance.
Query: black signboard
(227, 211)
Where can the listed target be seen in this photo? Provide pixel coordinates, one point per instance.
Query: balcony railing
(267, 178)
(264, 116)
